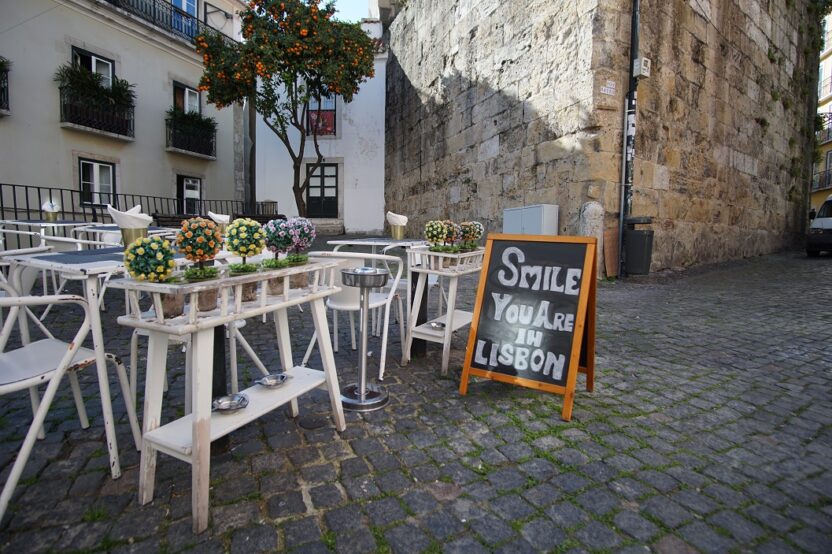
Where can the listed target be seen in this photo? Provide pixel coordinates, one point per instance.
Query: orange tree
(293, 52)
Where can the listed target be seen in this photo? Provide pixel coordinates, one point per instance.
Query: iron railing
(825, 134)
(80, 111)
(186, 137)
(21, 202)
(4, 89)
(822, 180)
(167, 17)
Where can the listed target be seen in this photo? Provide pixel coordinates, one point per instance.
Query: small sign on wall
(534, 316)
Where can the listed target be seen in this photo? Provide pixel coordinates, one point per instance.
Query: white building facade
(346, 193)
(48, 140)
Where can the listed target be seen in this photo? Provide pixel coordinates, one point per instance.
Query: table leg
(202, 343)
(449, 324)
(157, 354)
(328, 361)
(418, 297)
(418, 347)
(91, 290)
(284, 344)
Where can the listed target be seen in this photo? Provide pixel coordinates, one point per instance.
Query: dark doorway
(189, 194)
(322, 192)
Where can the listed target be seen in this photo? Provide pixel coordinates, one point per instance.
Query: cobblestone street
(710, 429)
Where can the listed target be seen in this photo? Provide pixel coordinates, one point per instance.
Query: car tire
(812, 253)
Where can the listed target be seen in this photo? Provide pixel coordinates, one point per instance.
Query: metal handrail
(167, 17)
(110, 119)
(4, 89)
(822, 180)
(185, 137)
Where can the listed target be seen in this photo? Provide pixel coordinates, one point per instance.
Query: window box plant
(86, 101)
(191, 131)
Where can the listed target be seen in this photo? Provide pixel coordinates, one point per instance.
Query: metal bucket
(397, 232)
(129, 236)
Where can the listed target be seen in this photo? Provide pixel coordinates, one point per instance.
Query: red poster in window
(323, 122)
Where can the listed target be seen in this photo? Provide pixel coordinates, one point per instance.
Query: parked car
(820, 230)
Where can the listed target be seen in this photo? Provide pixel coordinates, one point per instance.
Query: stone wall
(498, 104)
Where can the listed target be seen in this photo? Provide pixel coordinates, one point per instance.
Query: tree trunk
(296, 189)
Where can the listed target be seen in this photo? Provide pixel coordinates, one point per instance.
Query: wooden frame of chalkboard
(534, 288)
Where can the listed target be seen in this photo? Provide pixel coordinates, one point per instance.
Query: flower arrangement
(302, 233)
(278, 239)
(199, 240)
(470, 233)
(149, 259)
(435, 232)
(245, 238)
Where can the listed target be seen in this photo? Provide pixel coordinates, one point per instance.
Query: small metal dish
(437, 324)
(230, 404)
(273, 380)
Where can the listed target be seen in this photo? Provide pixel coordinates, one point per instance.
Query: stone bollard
(591, 224)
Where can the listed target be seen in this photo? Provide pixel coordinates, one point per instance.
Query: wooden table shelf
(175, 438)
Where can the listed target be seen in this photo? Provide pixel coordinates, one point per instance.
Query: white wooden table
(440, 329)
(189, 438)
(86, 266)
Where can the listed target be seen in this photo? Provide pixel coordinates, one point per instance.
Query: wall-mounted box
(537, 219)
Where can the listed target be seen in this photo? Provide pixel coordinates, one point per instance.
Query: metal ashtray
(367, 277)
(230, 404)
(273, 380)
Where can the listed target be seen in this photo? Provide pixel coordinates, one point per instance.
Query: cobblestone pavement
(709, 430)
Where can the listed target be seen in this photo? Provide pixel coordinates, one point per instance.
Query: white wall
(358, 148)
(35, 150)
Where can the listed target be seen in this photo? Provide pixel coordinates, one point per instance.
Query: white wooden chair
(46, 361)
(348, 300)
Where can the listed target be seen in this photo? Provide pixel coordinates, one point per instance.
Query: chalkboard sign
(534, 317)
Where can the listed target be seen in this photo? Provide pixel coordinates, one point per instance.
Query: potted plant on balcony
(199, 240)
(245, 238)
(87, 101)
(151, 259)
(191, 131)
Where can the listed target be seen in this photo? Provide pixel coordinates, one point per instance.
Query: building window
(189, 194)
(184, 17)
(98, 182)
(96, 64)
(322, 191)
(185, 98)
(322, 121)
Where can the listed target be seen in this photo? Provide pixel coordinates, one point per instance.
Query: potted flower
(200, 240)
(470, 233)
(245, 238)
(151, 259)
(435, 232)
(452, 236)
(278, 240)
(303, 235)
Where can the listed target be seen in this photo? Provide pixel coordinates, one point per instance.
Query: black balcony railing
(167, 17)
(191, 139)
(86, 113)
(822, 180)
(4, 89)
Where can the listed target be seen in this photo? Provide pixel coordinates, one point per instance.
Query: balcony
(822, 180)
(824, 135)
(191, 140)
(83, 115)
(4, 92)
(824, 88)
(167, 17)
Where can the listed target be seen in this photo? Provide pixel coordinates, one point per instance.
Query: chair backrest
(351, 295)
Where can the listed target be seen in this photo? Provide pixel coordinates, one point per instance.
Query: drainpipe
(629, 140)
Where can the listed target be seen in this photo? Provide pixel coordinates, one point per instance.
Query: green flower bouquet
(199, 240)
(149, 259)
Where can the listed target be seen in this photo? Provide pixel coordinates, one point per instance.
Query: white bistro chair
(348, 300)
(46, 361)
